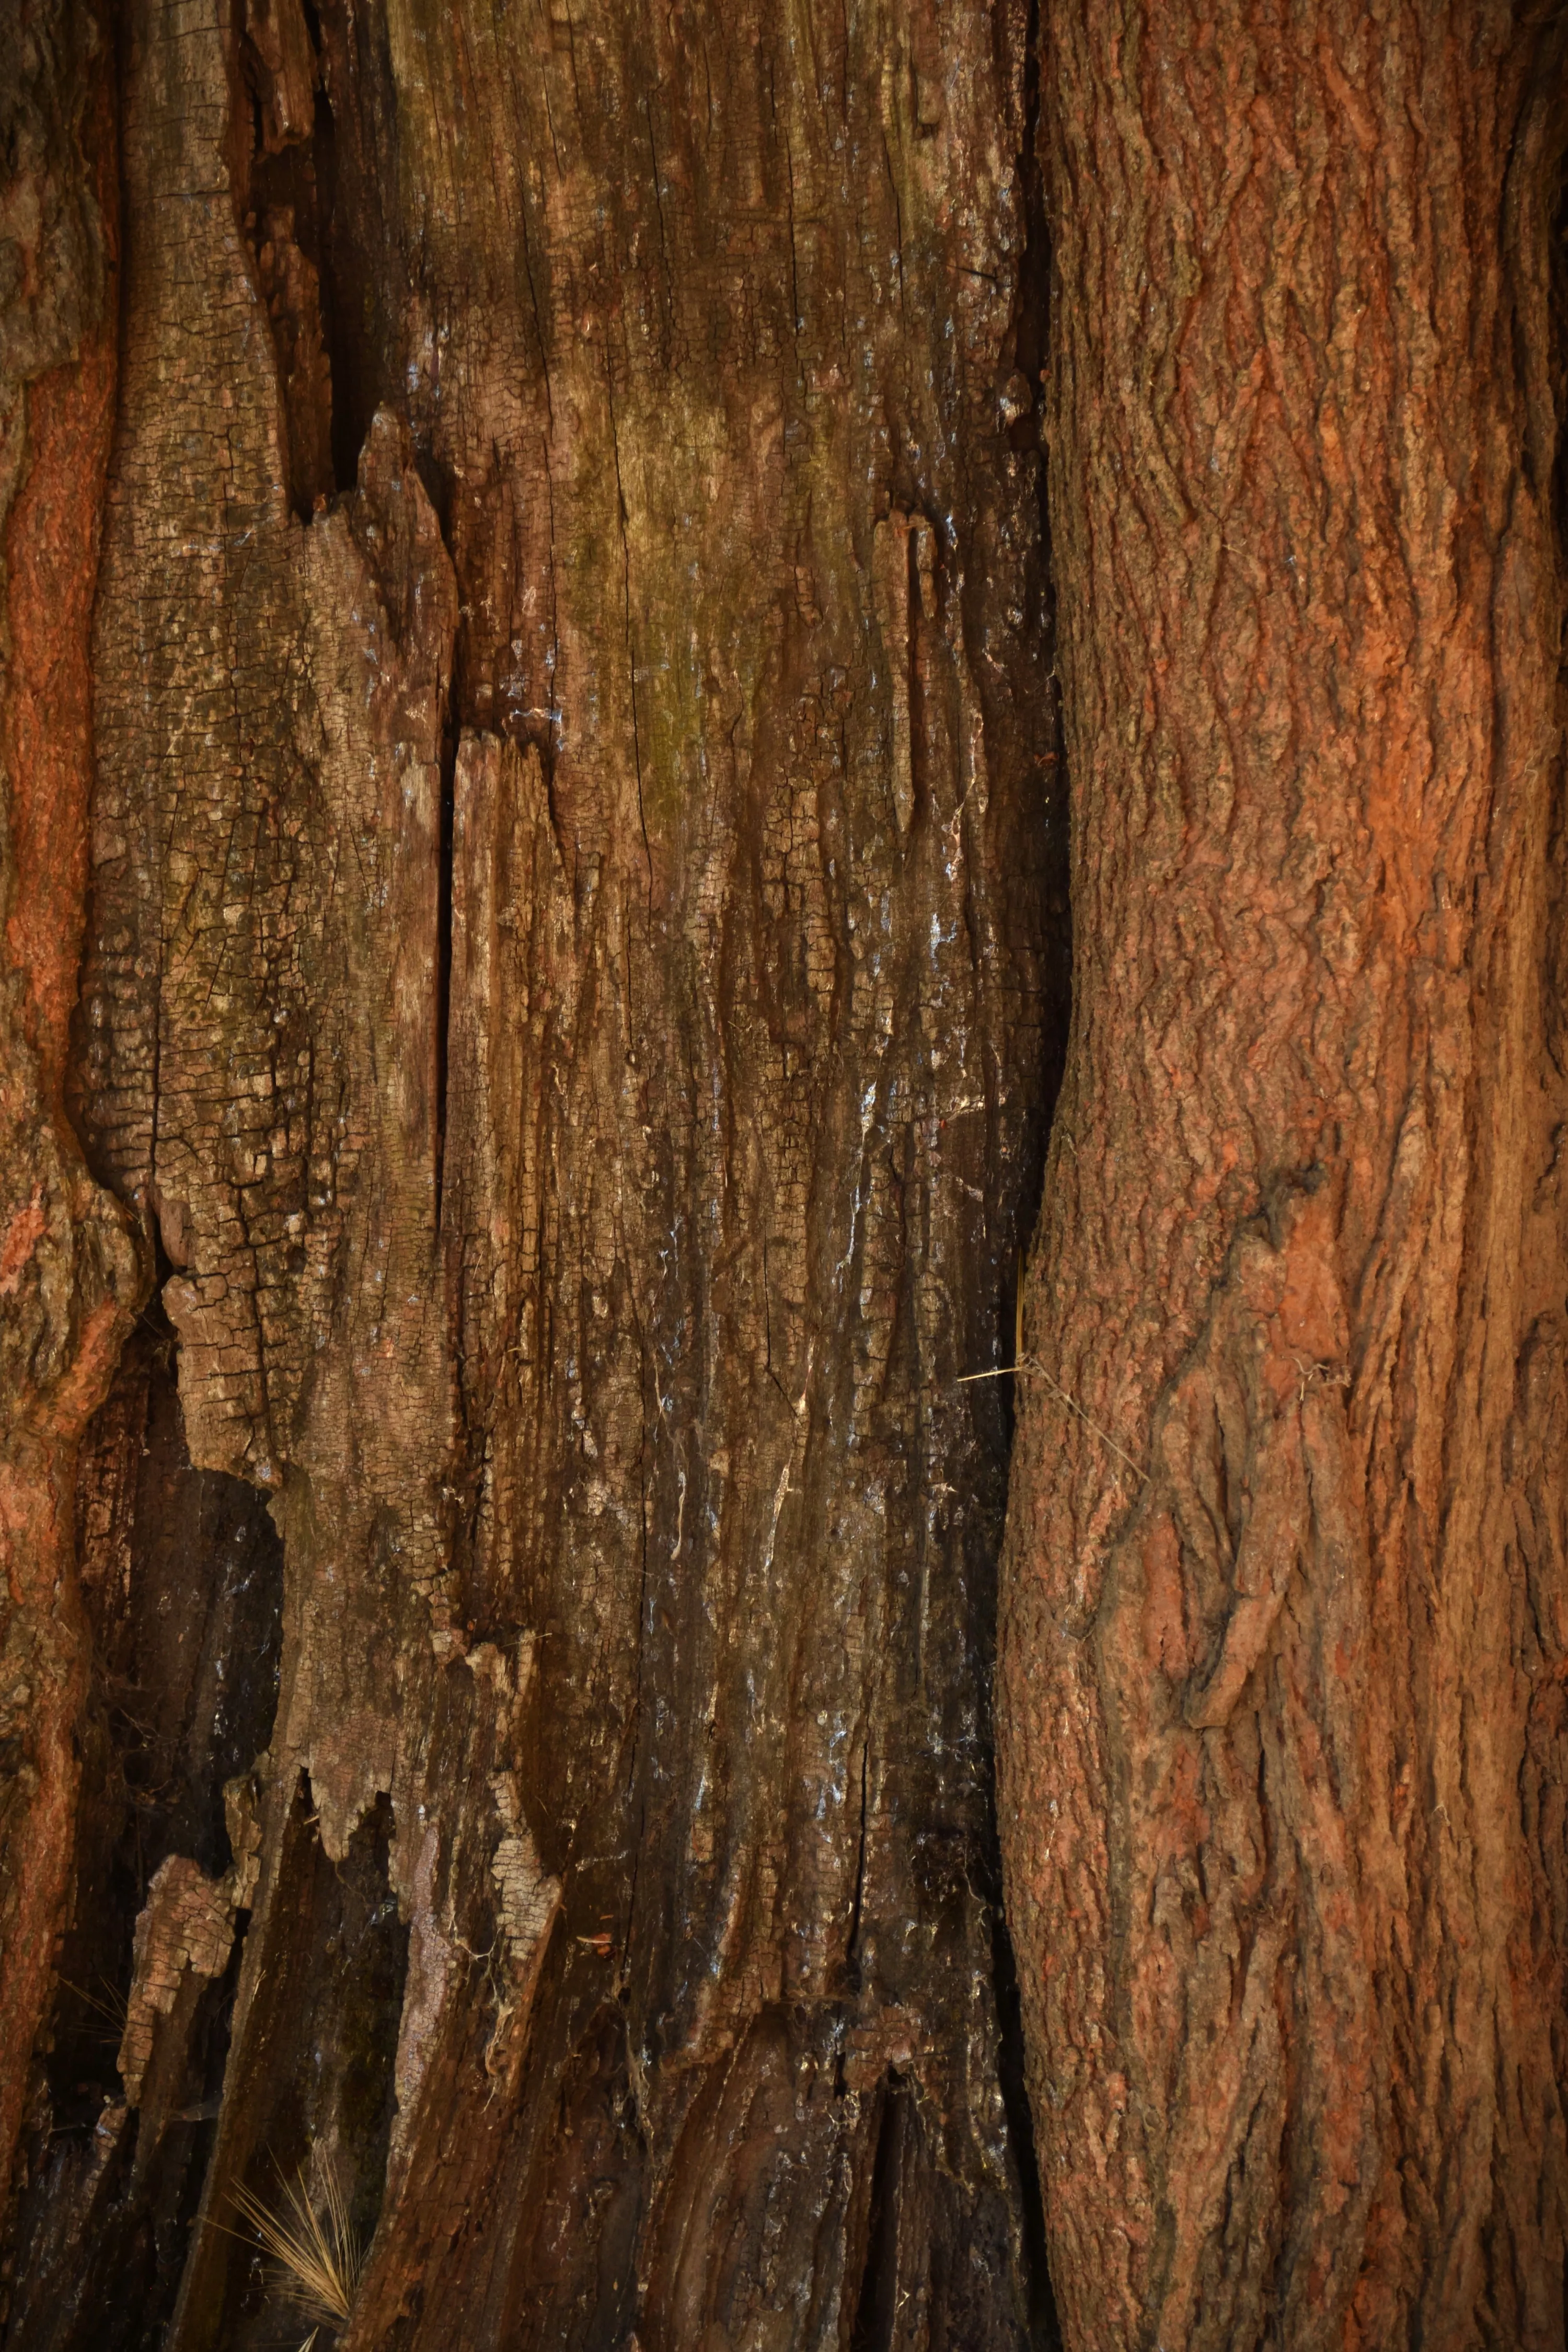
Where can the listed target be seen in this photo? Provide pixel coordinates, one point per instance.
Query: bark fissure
(876, 2315)
(181, 1707)
(568, 984)
(450, 735)
(1278, 1875)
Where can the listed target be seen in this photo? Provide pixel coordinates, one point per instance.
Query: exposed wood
(570, 1004)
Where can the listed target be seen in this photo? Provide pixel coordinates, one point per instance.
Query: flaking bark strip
(184, 1929)
(738, 1087)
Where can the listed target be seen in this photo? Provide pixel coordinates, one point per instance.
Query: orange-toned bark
(1282, 1765)
(46, 716)
(66, 1268)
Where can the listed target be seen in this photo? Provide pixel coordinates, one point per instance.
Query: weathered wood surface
(569, 1006)
(1285, 1621)
(550, 793)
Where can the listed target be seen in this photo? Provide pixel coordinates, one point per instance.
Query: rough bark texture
(569, 1005)
(68, 1271)
(1285, 1615)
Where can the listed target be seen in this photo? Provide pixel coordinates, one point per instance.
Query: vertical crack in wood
(586, 1104)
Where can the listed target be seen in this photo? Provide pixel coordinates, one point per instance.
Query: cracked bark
(559, 770)
(68, 1271)
(568, 1011)
(1283, 1614)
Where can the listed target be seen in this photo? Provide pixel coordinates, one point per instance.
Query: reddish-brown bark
(1285, 1619)
(67, 1268)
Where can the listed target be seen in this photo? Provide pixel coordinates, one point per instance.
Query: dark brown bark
(1284, 1604)
(568, 1005)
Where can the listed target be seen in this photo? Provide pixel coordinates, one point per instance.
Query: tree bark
(1284, 1612)
(69, 1273)
(572, 982)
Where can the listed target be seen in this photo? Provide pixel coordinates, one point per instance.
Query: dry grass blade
(1027, 1367)
(108, 2007)
(318, 2253)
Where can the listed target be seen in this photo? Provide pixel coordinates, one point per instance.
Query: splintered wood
(568, 1011)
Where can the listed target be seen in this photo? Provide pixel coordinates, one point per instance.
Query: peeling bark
(569, 1006)
(1283, 1612)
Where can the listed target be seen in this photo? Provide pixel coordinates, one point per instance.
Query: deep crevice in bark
(1031, 349)
(311, 217)
(876, 2314)
(450, 732)
(356, 177)
(102, 2236)
(182, 1579)
(319, 2095)
(283, 219)
(347, 293)
(929, 1249)
(1043, 2328)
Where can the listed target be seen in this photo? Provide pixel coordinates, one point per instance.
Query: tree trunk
(1285, 1626)
(574, 979)
(549, 792)
(67, 1269)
